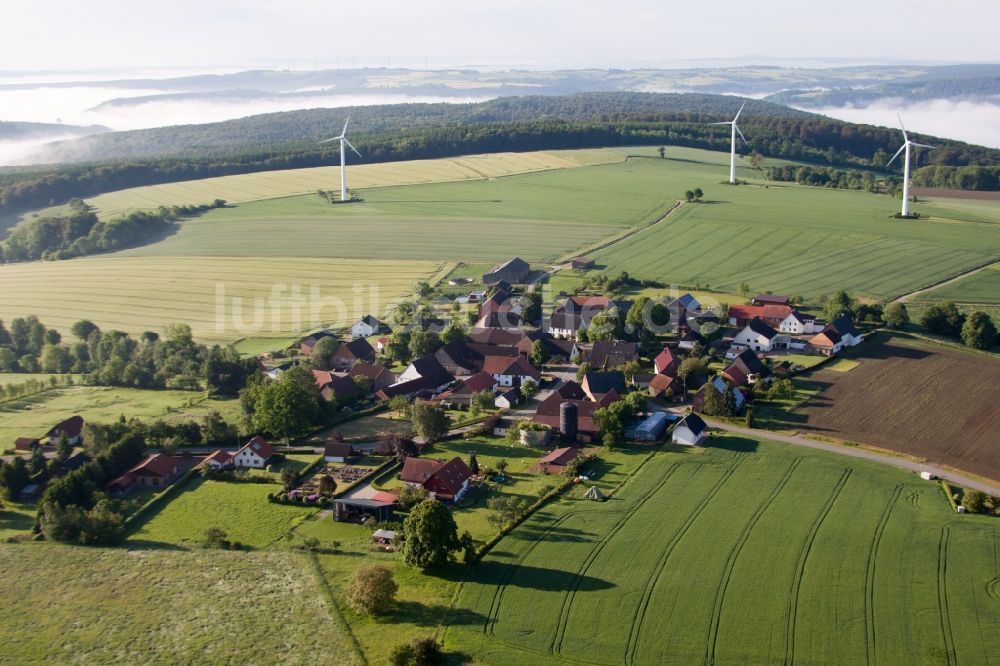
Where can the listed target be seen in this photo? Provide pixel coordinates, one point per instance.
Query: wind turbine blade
(741, 134)
(728, 122)
(352, 147)
(343, 132)
(330, 139)
(739, 112)
(922, 145)
(901, 149)
(905, 138)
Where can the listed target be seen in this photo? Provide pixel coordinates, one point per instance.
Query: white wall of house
(563, 333)
(504, 380)
(683, 435)
(362, 330)
(754, 341)
(248, 458)
(339, 459)
(408, 375)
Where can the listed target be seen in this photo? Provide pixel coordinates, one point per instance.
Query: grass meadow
(979, 288)
(275, 184)
(751, 553)
(242, 510)
(65, 604)
(147, 293)
(34, 415)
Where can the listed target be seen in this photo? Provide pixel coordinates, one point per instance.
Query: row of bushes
(486, 547)
(297, 500)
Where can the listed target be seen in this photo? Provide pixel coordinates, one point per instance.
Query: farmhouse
(508, 371)
(156, 471)
(505, 319)
(691, 431)
(548, 413)
(72, 428)
(679, 309)
(581, 263)
(556, 348)
(423, 374)
(611, 354)
(335, 387)
(275, 371)
(555, 461)
(367, 326)
(217, 460)
(254, 453)
(845, 327)
(599, 384)
(508, 399)
(773, 315)
(466, 390)
(746, 369)
(576, 312)
(356, 351)
(835, 336)
(307, 344)
(719, 385)
(758, 336)
(27, 444)
(377, 375)
(797, 323)
(336, 451)
(661, 386)
(514, 271)
(771, 299)
(687, 340)
(444, 480)
(666, 363)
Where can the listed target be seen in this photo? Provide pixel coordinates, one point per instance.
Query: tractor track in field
(639, 619)
(631, 232)
(555, 645)
(800, 567)
(870, 654)
(942, 595)
(734, 554)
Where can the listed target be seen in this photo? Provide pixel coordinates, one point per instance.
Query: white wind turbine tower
(906, 165)
(342, 137)
(732, 153)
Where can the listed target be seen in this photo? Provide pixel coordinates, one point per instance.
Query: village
(555, 385)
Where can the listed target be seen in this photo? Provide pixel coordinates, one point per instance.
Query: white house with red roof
(510, 371)
(254, 453)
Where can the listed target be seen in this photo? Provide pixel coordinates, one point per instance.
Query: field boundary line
(942, 595)
(734, 554)
(338, 615)
(635, 631)
(628, 233)
(800, 567)
(870, 653)
(555, 645)
(908, 297)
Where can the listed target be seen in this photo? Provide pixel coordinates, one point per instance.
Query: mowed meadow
(135, 294)
(745, 553)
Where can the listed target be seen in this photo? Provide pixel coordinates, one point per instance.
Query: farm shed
(349, 509)
(650, 428)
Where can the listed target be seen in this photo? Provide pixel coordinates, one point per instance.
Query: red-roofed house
(255, 453)
(217, 460)
(156, 470)
(510, 371)
(555, 461)
(661, 386)
(444, 480)
(666, 363)
(773, 315)
(71, 427)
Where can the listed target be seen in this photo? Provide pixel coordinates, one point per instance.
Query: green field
(34, 415)
(751, 553)
(148, 293)
(240, 509)
(8, 378)
(273, 184)
(803, 241)
(73, 605)
(982, 287)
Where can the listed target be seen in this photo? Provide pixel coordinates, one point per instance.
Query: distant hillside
(420, 131)
(301, 130)
(16, 131)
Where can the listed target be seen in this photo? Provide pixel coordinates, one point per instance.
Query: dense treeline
(424, 131)
(81, 232)
(114, 358)
(824, 177)
(958, 178)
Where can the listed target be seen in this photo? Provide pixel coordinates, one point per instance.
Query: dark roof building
(611, 354)
(515, 271)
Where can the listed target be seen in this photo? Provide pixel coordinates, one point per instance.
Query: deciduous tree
(430, 535)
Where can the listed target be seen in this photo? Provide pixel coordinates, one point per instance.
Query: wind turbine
(906, 165)
(732, 153)
(343, 168)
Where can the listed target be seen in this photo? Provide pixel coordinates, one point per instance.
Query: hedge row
(538, 504)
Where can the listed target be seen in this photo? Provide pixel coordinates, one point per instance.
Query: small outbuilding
(691, 431)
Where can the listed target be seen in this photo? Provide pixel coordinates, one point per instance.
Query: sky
(114, 34)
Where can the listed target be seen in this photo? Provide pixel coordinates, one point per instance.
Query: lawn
(240, 509)
(276, 184)
(801, 240)
(65, 604)
(17, 518)
(685, 565)
(222, 298)
(35, 414)
(8, 378)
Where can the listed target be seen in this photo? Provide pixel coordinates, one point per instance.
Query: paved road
(901, 463)
(961, 276)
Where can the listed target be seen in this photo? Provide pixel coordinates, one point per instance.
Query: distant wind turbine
(732, 152)
(906, 165)
(342, 137)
